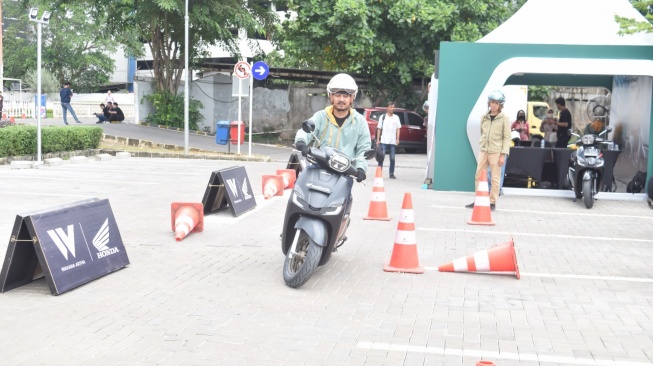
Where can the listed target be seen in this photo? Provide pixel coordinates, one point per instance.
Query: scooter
(586, 166)
(318, 211)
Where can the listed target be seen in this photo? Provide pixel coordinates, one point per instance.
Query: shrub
(21, 140)
(169, 110)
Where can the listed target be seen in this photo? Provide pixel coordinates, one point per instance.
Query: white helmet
(342, 82)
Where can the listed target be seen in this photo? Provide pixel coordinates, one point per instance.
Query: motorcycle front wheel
(299, 267)
(588, 195)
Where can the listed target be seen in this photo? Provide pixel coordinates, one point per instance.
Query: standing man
(495, 145)
(563, 124)
(66, 93)
(387, 135)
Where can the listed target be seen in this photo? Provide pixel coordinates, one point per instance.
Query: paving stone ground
(218, 297)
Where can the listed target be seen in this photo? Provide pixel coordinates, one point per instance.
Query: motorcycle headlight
(587, 139)
(333, 210)
(297, 199)
(591, 161)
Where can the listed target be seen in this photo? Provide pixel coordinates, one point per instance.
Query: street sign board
(242, 70)
(260, 70)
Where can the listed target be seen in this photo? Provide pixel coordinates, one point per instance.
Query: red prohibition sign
(242, 70)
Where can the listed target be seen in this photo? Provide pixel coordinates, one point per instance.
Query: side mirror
(308, 126)
(569, 132)
(369, 154)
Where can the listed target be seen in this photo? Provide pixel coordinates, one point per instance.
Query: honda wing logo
(101, 241)
(245, 189)
(65, 241)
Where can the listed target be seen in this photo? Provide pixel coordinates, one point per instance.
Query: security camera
(46, 16)
(33, 12)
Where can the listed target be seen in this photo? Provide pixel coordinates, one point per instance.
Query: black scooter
(586, 166)
(317, 215)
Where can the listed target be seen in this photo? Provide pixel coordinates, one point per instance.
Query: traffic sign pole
(251, 118)
(240, 93)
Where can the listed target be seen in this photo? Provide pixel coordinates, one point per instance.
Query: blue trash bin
(222, 132)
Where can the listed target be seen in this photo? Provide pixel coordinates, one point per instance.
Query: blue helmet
(497, 96)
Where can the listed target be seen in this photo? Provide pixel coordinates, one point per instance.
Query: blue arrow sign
(260, 70)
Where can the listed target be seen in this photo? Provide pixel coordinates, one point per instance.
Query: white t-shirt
(389, 126)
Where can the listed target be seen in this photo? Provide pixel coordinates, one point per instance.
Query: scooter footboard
(315, 229)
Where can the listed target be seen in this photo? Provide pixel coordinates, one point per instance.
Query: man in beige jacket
(495, 144)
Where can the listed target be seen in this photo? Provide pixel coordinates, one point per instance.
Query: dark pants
(563, 140)
(389, 148)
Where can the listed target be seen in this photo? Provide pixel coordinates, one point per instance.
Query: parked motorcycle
(586, 166)
(318, 211)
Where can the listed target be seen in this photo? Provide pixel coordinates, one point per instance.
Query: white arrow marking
(260, 70)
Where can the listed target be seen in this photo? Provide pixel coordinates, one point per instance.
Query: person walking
(387, 136)
(66, 94)
(495, 145)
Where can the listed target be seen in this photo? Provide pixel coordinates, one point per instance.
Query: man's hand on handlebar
(301, 146)
(361, 175)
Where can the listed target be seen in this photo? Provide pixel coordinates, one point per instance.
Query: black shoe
(77, 121)
(392, 176)
(492, 206)
(471, 205)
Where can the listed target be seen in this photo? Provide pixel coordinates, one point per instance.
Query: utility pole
(2, 63)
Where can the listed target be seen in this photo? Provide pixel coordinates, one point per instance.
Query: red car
(412, 136)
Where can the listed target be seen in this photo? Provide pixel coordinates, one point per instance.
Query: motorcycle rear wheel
(588, 194)
(298, 268)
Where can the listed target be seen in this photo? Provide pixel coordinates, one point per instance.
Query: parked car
(412, 136)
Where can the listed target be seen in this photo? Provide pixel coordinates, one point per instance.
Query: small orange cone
(499, 258)
(482, 215)
(272, 186)
(4, 115)
(24, 116)
(378, 208)
(12, 120)
(289, 177)
(485, 363)
(404, 253)
(186, 218)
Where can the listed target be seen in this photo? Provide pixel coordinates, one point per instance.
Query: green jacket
(353, 138)
(495, 134)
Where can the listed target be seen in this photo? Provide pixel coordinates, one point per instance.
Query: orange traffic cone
(404, 253)
(12, 120)
(378, 208)
(482, 215)
(289, 177)
(499, 258)
(485, 363)
(186, 218)
(4, 115)
(24, 116)
(272, 186)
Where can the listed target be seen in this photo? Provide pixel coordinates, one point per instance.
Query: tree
(72, 44)
(631, 26)
(392, 42)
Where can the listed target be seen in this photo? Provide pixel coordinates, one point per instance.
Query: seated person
(102, 117)
(116, 114)
(594, 128)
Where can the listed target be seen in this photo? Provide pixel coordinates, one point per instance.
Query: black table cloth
(527, 161)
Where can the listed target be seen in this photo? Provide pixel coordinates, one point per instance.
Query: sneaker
(471, 205)
(492, 206)
(78, 121)
(392, 176)
(65, 123)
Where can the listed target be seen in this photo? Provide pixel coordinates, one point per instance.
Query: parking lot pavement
(218, 297)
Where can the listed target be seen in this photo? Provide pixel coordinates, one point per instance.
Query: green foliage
(21, 140)
(170, 110)
(49, 83)
(75, 45)
(392, 42)
(539, 93)
(631, 26)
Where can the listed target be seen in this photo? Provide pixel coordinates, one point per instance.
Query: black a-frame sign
(70, 245)
(297, 162)
(230, 188)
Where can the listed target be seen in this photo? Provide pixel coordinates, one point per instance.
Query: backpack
(637, 184)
